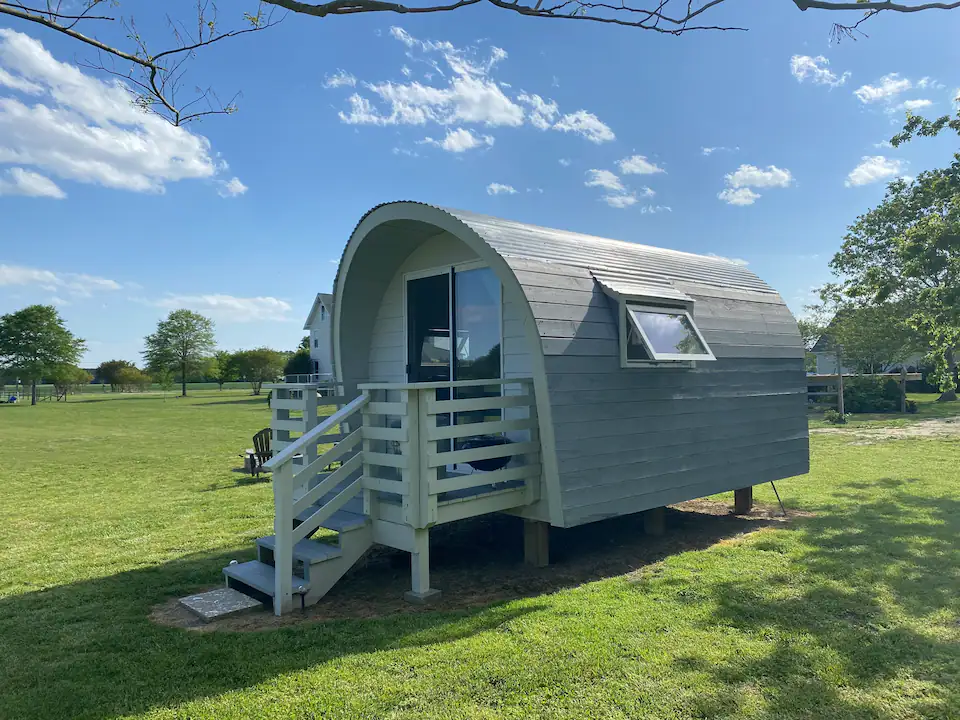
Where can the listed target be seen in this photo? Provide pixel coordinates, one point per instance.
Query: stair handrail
(313, 435)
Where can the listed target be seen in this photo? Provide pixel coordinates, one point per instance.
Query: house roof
(322, 299)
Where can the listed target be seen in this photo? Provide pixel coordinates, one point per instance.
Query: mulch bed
(479, 562)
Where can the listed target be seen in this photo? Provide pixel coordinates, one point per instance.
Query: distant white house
(826, 355)
(320, 324)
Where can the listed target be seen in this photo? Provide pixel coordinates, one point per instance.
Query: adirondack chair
(260, 452)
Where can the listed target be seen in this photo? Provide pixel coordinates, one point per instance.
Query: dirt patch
(480, 561)
(938, 429)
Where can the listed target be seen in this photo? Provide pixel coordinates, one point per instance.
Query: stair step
(340, 521)
(354, 505)
(306, 551)
(260, 576)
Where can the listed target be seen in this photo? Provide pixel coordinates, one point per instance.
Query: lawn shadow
(856, 562)
(88, 648)
(255, 400)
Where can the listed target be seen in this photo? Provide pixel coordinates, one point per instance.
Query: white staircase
(394, 471)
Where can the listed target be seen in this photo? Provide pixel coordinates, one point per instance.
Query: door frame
(448, 270)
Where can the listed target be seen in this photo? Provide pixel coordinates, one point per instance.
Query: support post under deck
(421, 591)
(655, 521)
(743, 501)
(536, 543)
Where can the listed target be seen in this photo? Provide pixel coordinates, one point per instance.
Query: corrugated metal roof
(627, 262)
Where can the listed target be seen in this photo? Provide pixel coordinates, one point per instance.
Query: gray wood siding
(628, 439)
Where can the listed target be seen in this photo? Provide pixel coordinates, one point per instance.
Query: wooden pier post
(536, 543)
(743, 501)
(655, 521)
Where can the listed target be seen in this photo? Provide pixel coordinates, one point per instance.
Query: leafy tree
(107, 372)
(259, 366)
(66, 376)
(299, 363)
(181, 342)
(155, 73)
(222, 367)
(164, 378)
(304, 343)
(906, 252)
(874, 338)
(34, 341)
(130, 378)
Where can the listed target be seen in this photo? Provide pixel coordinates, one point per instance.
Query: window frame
(672, 360)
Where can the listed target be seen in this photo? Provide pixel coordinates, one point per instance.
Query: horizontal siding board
(644, 473)
(600, 447)
(669, 408)
(572, 328)
(580, 346)
(639, 427)
(757, 351)
(680, 394)
(584, 298)
(566, 311)
(724, 480)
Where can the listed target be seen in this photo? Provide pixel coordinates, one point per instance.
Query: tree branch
(871, 5)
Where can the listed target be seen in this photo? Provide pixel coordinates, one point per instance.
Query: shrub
(873, 395)
(834, 417)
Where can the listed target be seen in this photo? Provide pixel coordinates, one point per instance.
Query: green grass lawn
(114, 505)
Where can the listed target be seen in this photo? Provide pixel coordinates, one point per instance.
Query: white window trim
(658, 359)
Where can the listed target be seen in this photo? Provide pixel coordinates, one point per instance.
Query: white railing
(432, 452)
(288, 479)
(309, 378)
(430, 445)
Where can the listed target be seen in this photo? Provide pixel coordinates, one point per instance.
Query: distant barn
(486, 365)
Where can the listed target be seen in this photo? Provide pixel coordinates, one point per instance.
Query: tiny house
(483, 365)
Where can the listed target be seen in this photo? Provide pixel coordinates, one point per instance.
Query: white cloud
(708, 151)
(84, 129)
(804, 67)
(604, 179)
(460, 140)
(407, 72)
(915, 104)
(886, 89)
(736, 261)
(228, 308)
(586, 124)
(26, 182)
(536, 190)
(928, 82)
(651, 209)
(232, 188)
(542, 112)
(620, 200)
(500, 189)
(739, 196)
(341, 78)
(883, 144)
(564, 161)
(76, 284)
(469, 96)
(740, 181)
(405, 151)
(752, 176)
(873, 169)
(638, 165)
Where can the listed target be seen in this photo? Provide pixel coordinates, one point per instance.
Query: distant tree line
(37, 348)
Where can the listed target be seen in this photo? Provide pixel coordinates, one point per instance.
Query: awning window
(662, 334)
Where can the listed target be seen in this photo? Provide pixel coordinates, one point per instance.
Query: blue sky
(117, 220)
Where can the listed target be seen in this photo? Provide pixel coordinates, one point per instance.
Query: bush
(873, 395)
(834, 417)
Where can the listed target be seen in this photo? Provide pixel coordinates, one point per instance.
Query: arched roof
(612, 262)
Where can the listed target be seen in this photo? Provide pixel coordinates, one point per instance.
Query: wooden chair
(260, 452)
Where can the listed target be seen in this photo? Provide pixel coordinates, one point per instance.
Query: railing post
(410, 449)
(531, 486)
(371, 500)
(283, 538)
(309, 410)
(426, 502)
